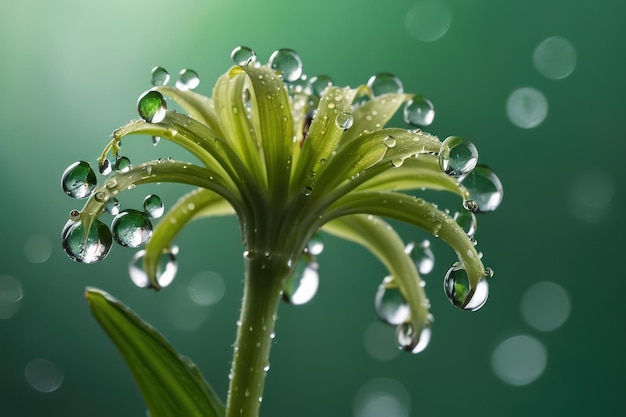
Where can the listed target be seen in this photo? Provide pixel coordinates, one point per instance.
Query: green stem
(264, 281)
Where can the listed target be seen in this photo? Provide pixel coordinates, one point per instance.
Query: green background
(70, 73)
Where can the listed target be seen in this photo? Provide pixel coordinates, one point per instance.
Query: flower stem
(264, 279)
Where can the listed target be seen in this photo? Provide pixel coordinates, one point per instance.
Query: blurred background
(538, 86)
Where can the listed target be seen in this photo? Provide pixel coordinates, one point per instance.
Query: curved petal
(379, 238)
(196, 105)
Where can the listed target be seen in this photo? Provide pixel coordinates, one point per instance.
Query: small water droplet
(411, 340)
(166, 270)
(151, 106)
(344, 120)
(457, 288)
(484, 188)
(153, 206)
(419, 111)
(242, 55)
(100, 196)
(112, 206)
(384, 83)
(422, 256)
(131, 228)
(104, 167)
(396, 163)
(160, 76)
(90, 249)
(467, 220)
(287, 63)
(155, 140)
(457, 156)
(307, 191)
(187, 79)
(122, 164)
(389, 141)
(79, 180)
(389, 303)
(315, 246)
(302, 285)
(319, 84)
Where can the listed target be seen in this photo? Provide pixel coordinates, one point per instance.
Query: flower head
(290, 156)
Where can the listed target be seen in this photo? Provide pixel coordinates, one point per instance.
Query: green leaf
(170, 384)
(196, 105)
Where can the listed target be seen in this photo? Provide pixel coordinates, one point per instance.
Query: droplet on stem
(131, 228)
(90, 248)
(389, 303)
(153, 206)
(160, 76)
(166, 270)
(79, 180)
(422, 256)
(151, 106)
(457, 156)
(457, 288)
(484, 188)
(242, 55)
(419, 111)
(303, 284)
(411, 340)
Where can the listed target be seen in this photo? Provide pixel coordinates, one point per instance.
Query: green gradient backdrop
(70, 72)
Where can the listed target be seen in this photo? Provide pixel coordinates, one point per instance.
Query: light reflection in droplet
(428, 20)
(555, 58)
(382, 397)
(527, 107)
(379, 339)
(43, 375)
(10, 296)
(591, 194)
(37, 249)
(545, 306)
(206, 288)
(519, 360)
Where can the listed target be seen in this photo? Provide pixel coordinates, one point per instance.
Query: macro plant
(292, 157)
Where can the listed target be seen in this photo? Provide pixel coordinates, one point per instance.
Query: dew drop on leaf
(419, 111)
(153, 206)
(151, 106)
(79, 180)
(160, 76)
(86, 248)
(467, 220)
(287, 62)
(457, 156)
(104, 167)
(389, 303)
(389, 141)
(344, 120)
(131, 228)
(411, 340)
(422, 256)
(112, 206)
(122, 164)
(242, 55)
(484, 188)
(319, 84)
(384, 83)
(457, 288)
(166, 270)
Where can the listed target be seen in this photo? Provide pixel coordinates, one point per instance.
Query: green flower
(290, 157)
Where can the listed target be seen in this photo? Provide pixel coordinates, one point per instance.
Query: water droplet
(307, 191)
(155, 140)
(160, 76)
(422, 256)
(166, 270)
(319, 84)
(457, 288)
(389, 303)
(151, 106)
(470, 205)
(519, 360)
(112, 206)
(287, 63)
(131, 228)
(545, 306)
(79, 180)
(187, 80)
(92, 248)
(457, 156)
(397, 163)
(242, 55)
(428, 20)
(467, 220)
(206, 288)
(122, 164)
(419, 111)
(555, 58)
(411, 340)
(389, 141)
(384, 83)
(484, 187)
(43, 375)
(315, 246)
(104, 167)
(10, 296)
(527, 107)
(302, 285)
(153, 206)
(344, 120)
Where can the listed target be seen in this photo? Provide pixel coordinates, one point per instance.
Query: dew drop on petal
(151, 106)
(389, 141)
(527, 107)
(187, 80)
(79, 180)
(286, 62)
(344, 120)
(411, 340)
(43, 375)
(88, 249)
(422, 255)
(242, 55)
(122, 164)
(160, 76)
(131, 228)
(153, 206)
(457, 156)
(112, 206)
(104, 167)
(302, 285)
(166, 269)
(484, 188)
(319, 84)
(555, 58)
(457, 288)
(467, 220)
(385, 83)
(390, 305)
(419, 111)
(307, 191)
(397, 163)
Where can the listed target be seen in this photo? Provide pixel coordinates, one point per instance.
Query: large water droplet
(428, 20)
(88, 249)
(131, 228)
(457, 156)
(389, 303)
(422, 256)
(153, 206)
(166, 270)
(79, 180)
(527, 107)
(555, 58)
(287, 63)
(242, 55)
(467, 220)
(187, 80)
(302, 285)
(344, 120)
(315, 246)
(411, 340)
(384, 83)
(457, 288)
(319, 84)
(419, 111)
(151, 106)
(484, 187)
(160, 76)
(122, 164)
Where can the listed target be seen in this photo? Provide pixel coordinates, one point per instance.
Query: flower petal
(374, 114)
(198, 106)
